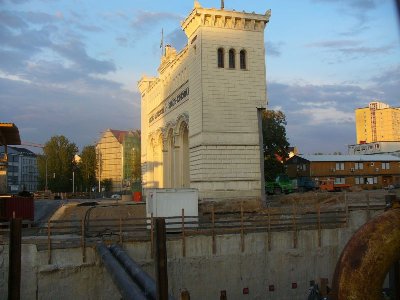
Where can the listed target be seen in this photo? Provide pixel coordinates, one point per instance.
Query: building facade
(22, 170)
(365, 171)
(377, 122)
(115, 152)
(200, 116)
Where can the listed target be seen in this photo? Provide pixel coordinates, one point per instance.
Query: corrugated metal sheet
(23, 207)
(343, 158)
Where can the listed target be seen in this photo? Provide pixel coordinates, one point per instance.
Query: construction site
(205, 228)
(244, 250)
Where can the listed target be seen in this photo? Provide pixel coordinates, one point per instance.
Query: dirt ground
(111, 210)
(299, 201)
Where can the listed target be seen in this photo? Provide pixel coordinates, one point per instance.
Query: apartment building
(377, 122)
(365, 171)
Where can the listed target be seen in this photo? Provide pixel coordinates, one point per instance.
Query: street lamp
(45, 189)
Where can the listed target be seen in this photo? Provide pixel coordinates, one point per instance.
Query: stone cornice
(224, 19)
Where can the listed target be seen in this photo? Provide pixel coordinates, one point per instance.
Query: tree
(88, 166)
(59, 153)
(106, 185)
(275, 143)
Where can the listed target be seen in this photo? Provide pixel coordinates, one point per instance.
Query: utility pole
(46, 187)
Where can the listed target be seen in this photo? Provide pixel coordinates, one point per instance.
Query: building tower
(201, 115)
(378, 122)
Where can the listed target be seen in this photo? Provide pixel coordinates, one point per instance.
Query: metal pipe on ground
(128, 289)
(139, 276)
(143, 279)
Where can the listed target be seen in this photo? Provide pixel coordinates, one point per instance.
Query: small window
(231, 58)
(340, 166)
(358, 166)
(243, 59)
(340, 180)
(220, 58)
(385, 166)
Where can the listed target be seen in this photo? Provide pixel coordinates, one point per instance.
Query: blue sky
(70, 67)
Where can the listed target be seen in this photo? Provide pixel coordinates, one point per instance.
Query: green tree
(275, 143)
(59, 153)
(106, 184)
(88, 166)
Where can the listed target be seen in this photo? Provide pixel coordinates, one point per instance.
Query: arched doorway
(169, 160)
(158, 163)
(183, 174)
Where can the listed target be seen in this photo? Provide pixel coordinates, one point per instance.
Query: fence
(86, 231)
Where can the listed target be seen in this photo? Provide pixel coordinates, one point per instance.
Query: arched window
(220, 57)
(243, 59)
(231, 58)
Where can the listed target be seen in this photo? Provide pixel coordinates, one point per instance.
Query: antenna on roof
(222, 4)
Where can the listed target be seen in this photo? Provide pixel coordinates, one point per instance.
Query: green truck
(282, 184)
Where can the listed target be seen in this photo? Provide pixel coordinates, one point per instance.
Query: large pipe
(367, 258)
(128, 289)
(143, 279)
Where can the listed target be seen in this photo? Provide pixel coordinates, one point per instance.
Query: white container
(168, 203)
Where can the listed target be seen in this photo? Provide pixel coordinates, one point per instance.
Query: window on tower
(220, 58)
(231, 58)
(243, 59)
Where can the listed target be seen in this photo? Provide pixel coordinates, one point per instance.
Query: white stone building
(201, 115)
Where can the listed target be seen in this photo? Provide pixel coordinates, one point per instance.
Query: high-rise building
(116, 150)
(377, 122)
(201, 115)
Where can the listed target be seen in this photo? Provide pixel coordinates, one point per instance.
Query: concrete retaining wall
(201, 272)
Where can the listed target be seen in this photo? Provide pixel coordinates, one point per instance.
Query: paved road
(44, 209)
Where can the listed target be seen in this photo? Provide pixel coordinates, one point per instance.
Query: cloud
(39, 17)
(89, 28)
(144, 21)
(18, 1)
(317, 115)
(17, 47)
(358, 9)
(362, 5)
(71, 111)
(321, 117)
(75, 52)
(122, 41)
(334, 44)
(11, 20)
(177, 39)
(274, 49)
(351, 48)
(387, 85)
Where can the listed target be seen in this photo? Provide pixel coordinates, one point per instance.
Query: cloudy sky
(70, 67)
